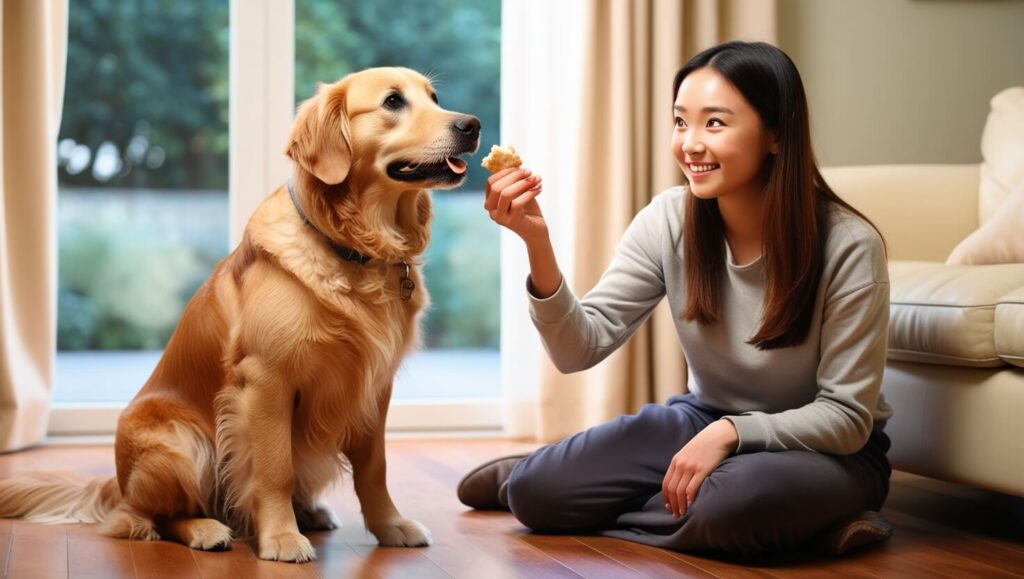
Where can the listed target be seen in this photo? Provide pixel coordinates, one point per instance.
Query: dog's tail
(58, 497)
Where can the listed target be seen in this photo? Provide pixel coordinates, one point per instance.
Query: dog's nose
(467, 125)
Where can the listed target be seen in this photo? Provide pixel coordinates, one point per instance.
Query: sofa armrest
(923, 211)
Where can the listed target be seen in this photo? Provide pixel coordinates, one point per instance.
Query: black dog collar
(346, 253)
(407, 286)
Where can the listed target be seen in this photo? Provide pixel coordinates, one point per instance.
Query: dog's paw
(291, 547)
(209, 535)
(318, 518)
(122, 524)
(403, 533)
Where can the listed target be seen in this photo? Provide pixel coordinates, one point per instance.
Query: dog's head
(383, 123)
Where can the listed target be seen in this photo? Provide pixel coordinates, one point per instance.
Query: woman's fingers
(516, 219)
(680, 490)
(501, 175)
(519, 203)
(679, 487)
(690, 492)
(672, 478)
(665, 494)
(512, 192)
(509, 200)
(501, 180)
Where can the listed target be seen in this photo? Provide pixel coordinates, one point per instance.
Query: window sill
(471, 417)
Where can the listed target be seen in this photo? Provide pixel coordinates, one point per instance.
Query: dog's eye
(394, 101)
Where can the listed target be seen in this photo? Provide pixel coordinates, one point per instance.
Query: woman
(780, 294)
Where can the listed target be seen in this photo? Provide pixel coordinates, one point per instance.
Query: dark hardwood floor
(941, 530)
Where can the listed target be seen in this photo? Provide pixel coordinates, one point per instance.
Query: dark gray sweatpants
(607, 480)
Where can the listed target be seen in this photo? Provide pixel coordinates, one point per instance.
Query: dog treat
(501, 158)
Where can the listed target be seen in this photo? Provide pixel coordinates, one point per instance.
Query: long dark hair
(796, 200)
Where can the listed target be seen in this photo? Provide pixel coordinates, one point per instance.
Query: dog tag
(407, 285)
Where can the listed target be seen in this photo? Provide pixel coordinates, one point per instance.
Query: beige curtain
(33, 52)
(634, 49)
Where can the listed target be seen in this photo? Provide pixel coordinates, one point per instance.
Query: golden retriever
(278, 377)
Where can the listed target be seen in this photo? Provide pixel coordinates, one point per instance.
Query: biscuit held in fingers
(501, 158)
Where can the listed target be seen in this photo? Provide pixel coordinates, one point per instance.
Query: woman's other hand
(694, 462)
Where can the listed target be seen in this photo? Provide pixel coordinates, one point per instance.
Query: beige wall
(902, 81)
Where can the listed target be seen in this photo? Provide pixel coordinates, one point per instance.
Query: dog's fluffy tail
(58, 498)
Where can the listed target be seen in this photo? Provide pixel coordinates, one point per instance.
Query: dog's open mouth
(449, 171)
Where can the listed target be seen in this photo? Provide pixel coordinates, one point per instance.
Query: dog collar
(407, 286)
(346, 253)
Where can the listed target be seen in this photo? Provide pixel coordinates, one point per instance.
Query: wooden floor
(941, 531)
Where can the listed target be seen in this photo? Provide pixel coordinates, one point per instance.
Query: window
(143, 203)
(142, 195)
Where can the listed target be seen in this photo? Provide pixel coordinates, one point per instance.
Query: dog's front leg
(369, 473)
(269, 407)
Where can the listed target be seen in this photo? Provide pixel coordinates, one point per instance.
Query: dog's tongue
(457, 165)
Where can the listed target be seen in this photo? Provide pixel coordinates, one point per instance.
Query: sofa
(955, 368)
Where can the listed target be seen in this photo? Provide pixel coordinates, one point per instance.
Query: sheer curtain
(541, 89)
(34, 45)
(600, 139)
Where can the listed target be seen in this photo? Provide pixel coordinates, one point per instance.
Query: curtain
(541, 83)
(33, 49)
(632, 50)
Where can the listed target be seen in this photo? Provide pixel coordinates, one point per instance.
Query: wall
(902, 81)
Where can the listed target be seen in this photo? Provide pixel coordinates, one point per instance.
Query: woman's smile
(698, 171)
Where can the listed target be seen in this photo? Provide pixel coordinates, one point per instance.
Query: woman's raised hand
(511, 202)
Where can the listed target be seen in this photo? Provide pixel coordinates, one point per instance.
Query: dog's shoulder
(241, 259)
(276, 233)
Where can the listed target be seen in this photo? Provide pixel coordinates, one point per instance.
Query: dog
(277, 380)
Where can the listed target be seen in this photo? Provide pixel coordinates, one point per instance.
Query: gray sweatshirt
(823, 395)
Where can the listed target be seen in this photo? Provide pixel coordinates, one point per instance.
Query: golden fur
(278, 377)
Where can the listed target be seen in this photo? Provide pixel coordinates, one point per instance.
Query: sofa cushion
(999, 239)
(1002, 151)
(1010, 327)
(945, 314)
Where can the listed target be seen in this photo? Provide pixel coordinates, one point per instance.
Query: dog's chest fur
(351, 329)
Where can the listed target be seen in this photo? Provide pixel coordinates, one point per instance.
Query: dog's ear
(319, 142)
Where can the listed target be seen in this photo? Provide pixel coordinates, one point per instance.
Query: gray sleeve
(579, 333)
(854, 338)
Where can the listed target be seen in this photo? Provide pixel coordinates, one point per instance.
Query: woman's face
(719, 140)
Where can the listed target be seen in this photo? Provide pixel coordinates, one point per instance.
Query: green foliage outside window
(146, 108)
(148, 78)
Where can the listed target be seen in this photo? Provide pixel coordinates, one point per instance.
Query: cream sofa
(955, 372)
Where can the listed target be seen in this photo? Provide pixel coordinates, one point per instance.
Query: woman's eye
(680, 123)
(393, 101)
(713, 122)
